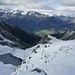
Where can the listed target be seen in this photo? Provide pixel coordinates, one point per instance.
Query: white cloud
(46, 6)
(68, 2)
(27, 4)
(39, 5)
(64, 2)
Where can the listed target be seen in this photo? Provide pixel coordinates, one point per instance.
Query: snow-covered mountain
(37, 22)
(10, 58)
(54, 58)
(51, 57)
(37, 14)
(13, 42)
(33, 21)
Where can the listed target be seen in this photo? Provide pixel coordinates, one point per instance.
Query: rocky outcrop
(44, 39)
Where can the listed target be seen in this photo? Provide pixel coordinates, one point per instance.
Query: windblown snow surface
(55, 58)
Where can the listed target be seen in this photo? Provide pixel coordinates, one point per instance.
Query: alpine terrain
(36, 22)
(33, 43)
(54, 58)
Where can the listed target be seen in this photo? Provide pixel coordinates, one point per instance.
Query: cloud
(48, 6)
(8, 2)
(27, 4)
(39, 5)
(64, 2)
(67, 2)
(63, 6)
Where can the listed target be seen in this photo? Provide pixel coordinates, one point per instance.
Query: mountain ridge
(36, 22)
(15, 34)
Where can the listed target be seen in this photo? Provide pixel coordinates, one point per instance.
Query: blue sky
(45, 6)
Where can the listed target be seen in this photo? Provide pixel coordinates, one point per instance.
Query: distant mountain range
(15, 37)
(36, 22)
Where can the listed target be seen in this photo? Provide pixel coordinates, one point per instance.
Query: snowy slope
(6, 69)
(5, 40)
(57, 58)
(22, 54)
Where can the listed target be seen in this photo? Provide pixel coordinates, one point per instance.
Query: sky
(45, 6)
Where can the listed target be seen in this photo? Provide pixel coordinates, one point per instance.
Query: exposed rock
(39, 71)
(70, 35)
(44, 39)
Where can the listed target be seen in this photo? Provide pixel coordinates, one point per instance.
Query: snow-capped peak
(35, 13)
